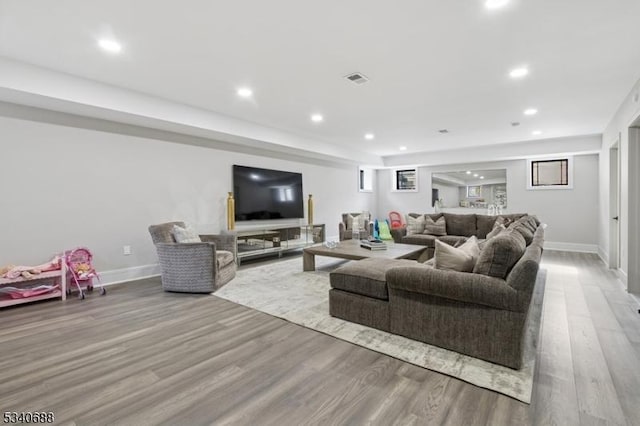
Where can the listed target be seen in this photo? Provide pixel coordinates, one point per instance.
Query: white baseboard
(582, 248)
(128, 274)
(623, 277)
(604, 255)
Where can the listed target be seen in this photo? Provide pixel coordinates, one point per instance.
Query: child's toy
(13, 271)
(81, 270)
(395, 220)
(382, 227)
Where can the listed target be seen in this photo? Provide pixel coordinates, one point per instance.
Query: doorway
(614, 206)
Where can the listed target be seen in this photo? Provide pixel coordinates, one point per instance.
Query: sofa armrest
(228, 242)
(461, 286)
(398, 233)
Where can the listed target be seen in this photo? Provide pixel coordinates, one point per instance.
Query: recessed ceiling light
(475, 175)
(245, 92)
(536, 132)
(530, 111)
(518, 72)
(369, 136)
(111, 46)
(317, 118)
(468, 172)
(403, 148)
(495, 4)
(481, 177)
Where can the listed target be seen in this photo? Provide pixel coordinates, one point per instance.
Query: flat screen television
(263, 194)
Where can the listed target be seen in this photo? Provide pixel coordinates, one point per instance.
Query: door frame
(614, 205)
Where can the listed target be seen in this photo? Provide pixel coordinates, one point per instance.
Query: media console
(276, 240)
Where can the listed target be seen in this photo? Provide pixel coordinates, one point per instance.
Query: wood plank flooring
(141, 356)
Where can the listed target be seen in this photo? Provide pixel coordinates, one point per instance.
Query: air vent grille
(357, 78)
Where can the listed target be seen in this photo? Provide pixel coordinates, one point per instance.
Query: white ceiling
(433, 64)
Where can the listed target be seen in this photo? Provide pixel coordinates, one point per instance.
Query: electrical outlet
(126, 250)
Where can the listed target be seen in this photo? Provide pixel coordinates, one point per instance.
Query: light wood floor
(142, 356)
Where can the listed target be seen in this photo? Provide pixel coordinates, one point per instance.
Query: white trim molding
(117, 276)
(604, 255)
(577, 247)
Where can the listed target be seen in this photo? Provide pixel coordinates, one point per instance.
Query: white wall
(618, 129)
(64, 187)
(571, 214)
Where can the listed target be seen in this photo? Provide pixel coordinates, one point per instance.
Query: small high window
(405, 180)
(553, 173)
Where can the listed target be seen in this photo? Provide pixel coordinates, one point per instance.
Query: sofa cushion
(224, 258)
(523, 230)
(437, 227)
(420, 239)
(484, 224)
(460, 224)
(366, 277)
(415, 224)
(500, 253)
(452, 258)
(495, 231)
(430, 240)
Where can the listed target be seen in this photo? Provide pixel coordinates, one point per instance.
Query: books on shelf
(373, 244)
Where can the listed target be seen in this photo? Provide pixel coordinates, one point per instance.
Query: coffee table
(351, 250)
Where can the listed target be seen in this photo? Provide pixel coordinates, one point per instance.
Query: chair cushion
(500, 253)
(366, 277)
(224, 258)
(186, 234)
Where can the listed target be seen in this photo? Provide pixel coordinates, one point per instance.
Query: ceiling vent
(443, 131)
(357, 78)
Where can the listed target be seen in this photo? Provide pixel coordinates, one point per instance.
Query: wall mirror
(469, 189)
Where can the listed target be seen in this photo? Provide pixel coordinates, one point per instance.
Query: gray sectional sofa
(459, 228)
(481, 313)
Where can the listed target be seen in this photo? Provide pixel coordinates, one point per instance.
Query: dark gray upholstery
(460, 224)
(359, 309)
(366, 277)
(194, 267)
(475, 314)
(484, 225)
(499, 254)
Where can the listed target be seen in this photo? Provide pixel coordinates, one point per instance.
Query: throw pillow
(453, 259)
(383, 230)
(499, 254)
(353, 222)
(439, 227)
(524, 231)
(471, 247)
(185, 235)
(415, 225)
(495, 231)
(501, 220)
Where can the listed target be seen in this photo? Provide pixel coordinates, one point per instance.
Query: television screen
(267, 194)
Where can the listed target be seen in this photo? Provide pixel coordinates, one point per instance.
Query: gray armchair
(194, 267)
(344, 228)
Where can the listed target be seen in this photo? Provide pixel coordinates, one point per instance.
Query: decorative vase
(310, 209)
(231, 212)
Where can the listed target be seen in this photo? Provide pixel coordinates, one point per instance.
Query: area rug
(281, 289)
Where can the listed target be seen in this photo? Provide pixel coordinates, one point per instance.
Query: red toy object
(395, 220)
(81, 270)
